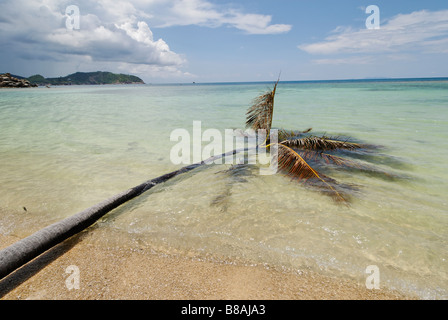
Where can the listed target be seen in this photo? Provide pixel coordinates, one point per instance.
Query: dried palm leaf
(311, 155)
(346, 163)
(320, 143)
(296, 167)
(349, 163)
(259, 115)
(291, 134)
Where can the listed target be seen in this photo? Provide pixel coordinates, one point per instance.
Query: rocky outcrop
(8, 81)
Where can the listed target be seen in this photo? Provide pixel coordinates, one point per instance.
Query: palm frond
(345, 163)
(295, 166)
(320, 143)
(351, 164)
(311, 155)
(307, 130)
(291, 134)
(259, 115)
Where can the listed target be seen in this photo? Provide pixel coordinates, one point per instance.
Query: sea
(64, 149)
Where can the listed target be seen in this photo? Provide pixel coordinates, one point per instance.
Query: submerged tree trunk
(23, 251)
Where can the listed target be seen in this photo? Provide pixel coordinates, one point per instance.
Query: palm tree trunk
(23, 251)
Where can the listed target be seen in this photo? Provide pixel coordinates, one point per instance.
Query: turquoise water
(67, 148)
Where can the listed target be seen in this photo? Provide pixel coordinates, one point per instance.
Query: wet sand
(140, 274)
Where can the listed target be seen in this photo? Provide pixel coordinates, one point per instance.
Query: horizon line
(369, 79)
(306, 81)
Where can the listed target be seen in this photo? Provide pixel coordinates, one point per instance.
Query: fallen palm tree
(23, 251)
(297, 150)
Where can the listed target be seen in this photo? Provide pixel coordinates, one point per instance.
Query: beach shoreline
(111, 273)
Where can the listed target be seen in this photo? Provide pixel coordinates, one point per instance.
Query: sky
(184, 41)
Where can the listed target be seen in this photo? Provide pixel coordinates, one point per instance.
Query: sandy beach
(140, 274)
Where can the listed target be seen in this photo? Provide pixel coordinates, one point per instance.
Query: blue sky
(219, 41)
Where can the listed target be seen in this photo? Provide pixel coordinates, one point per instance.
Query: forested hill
(79, 78)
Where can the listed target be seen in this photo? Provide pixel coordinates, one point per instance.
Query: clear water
(67, 148)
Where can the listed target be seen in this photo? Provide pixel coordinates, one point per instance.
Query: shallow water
(67, 148)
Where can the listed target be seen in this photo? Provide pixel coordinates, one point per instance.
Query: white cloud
(346, 61)
(256, 24)
(160, 53)
(204, 13)
(365, 59)
(115, 31)
(110, 31)
(120, 11)
(154, 71)
(422, 31)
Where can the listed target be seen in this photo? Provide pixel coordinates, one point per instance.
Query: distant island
(78, 78)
